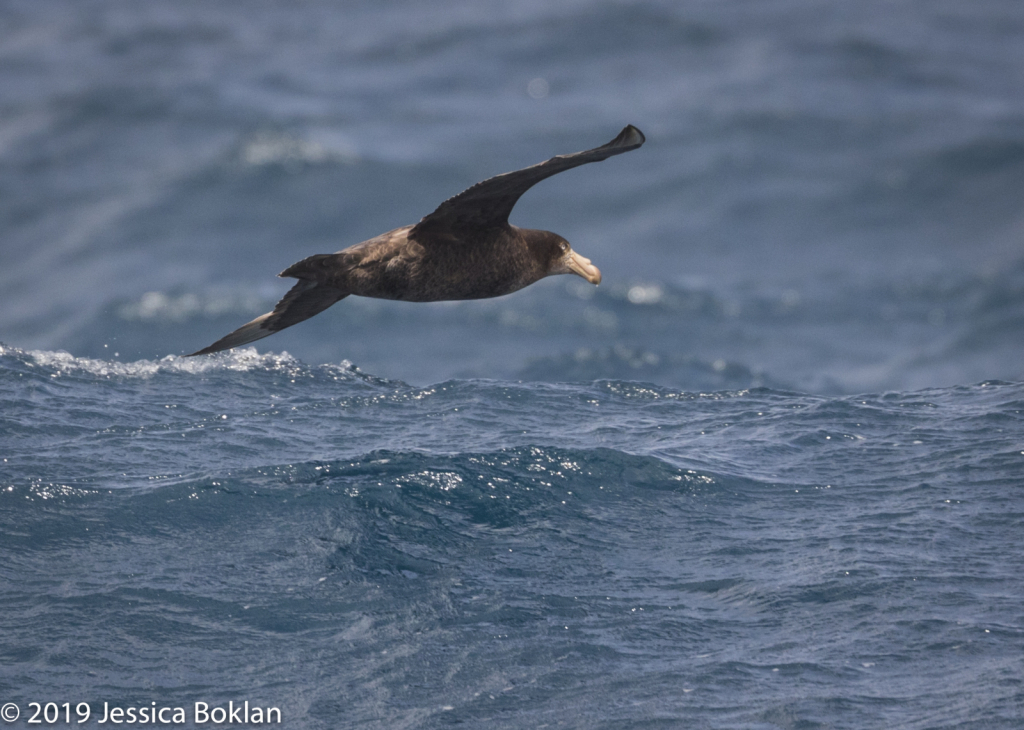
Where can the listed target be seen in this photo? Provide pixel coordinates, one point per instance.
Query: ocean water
(770, 474)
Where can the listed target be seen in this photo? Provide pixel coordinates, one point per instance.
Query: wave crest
(245, 359)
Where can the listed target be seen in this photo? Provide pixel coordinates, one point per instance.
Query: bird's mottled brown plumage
(466, 249)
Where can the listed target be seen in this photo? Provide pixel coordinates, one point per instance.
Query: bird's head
(559, 258)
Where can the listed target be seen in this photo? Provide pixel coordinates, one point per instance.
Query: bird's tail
(301, 302)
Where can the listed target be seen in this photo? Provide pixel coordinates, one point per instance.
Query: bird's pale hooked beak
(581, 266)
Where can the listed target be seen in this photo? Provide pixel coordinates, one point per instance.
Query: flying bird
(466, 249)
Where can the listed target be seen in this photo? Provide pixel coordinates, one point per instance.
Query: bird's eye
(564, 246)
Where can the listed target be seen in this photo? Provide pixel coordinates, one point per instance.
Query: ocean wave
(267, 148)
(240, 360)
(158, 306)
(385, 512)
(626, 363)
(91, 423)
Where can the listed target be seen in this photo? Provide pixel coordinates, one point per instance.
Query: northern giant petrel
(466, 249)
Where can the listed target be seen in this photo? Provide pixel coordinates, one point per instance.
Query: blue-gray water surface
(770, 474)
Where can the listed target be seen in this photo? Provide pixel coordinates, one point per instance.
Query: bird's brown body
(395, 265)
(466, 249)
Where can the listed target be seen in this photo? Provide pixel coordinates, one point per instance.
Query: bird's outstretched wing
(488, 204)
(301, 302)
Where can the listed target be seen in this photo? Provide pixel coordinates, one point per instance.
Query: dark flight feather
(489, 203)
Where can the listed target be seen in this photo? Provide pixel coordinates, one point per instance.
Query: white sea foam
(270, 149)
(243, 360)
(160, 306)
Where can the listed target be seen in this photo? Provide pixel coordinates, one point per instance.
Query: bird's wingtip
(630, 137)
